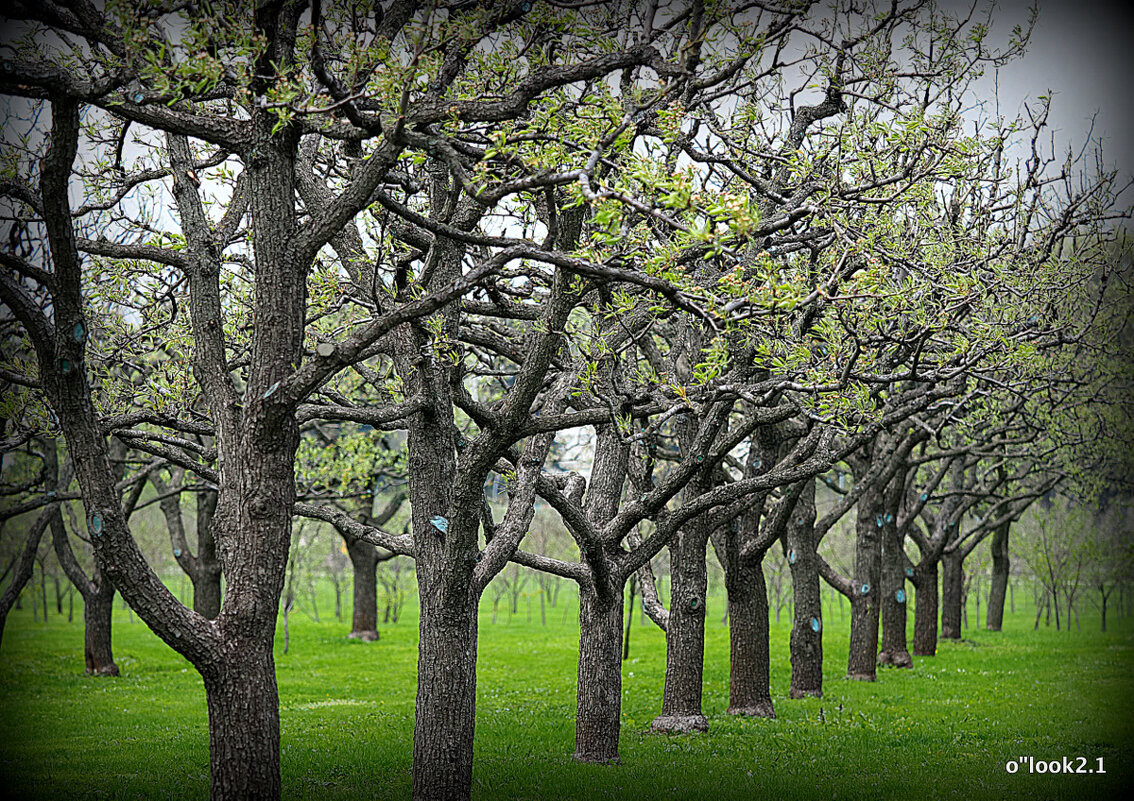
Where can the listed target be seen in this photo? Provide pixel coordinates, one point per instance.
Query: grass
(943, 730)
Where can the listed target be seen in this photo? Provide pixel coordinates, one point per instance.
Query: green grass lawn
(942, 730)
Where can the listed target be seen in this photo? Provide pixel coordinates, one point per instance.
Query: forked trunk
(925, 611)
(599, 692)
(244, 724)
(749, 690)
(97, 609)
(952, 595)
(685, 635)
(364, 563)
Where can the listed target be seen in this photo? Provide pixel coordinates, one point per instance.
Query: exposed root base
(924, 652)
(108, 671)
(897, 659)
(760, 710)
(594, 760)
(679, 724)
(365, 636)
(797, 693)
(861, 677)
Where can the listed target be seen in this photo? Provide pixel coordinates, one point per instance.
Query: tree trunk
(98, 607)
(445, 716)
(999, 588)
(807, 620)
(749, 684)
(895, 651)
(925, 611)
(364, 563)
(952, 592)
(599, 691)
(685, 634)
(863, 657)
(244, 723)
(207, 590)
(207, 577)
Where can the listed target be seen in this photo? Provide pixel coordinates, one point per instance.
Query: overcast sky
(1081, 52)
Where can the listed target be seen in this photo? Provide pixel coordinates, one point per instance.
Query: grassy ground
(943, 730)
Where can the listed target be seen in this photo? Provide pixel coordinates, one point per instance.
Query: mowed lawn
(945, 729)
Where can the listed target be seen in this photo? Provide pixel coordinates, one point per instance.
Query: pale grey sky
(1081, 52)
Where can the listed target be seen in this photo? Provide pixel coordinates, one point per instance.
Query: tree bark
(925, 611)
(952, 593)
(364, 564)
(445, 716)
(895, 651)
(98, 606)
(599, 702)
(807, 621)
(244, 723)
(1000, 569)
(863, 657)
(207, 578)
(749, 686)
(685, 634)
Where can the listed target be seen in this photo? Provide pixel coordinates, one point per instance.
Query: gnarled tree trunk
(749, 691)
(925, 610)
(364, 564)
(599, 691)
(952, 594)
(895, 651)
(98, 606)
(244, 723)
(863, 657)
(999, 589)
(807, 619)
(685, 634)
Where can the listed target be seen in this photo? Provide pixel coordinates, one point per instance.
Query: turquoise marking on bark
(271, 390)
(139, 97)
(815, 624)
(177, 552)
(440, 523)
(95, 524)
(80, 332)
(900, 596)
(924, 496)
(791, 557)
(878, 520)
(865, 589)
(909, 572)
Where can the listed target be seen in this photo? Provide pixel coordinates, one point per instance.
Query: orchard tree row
(661, 267)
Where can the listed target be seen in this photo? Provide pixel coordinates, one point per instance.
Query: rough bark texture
(599, 702)
(685, 635)
(749, 690)
(952, 594)
(895, 651)
(863, 658)
(207, 578)
(807, 621)
(97, 652)
(445, 714)
(999, 589)
(364, 564)
(244, 724)
(925, 611)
